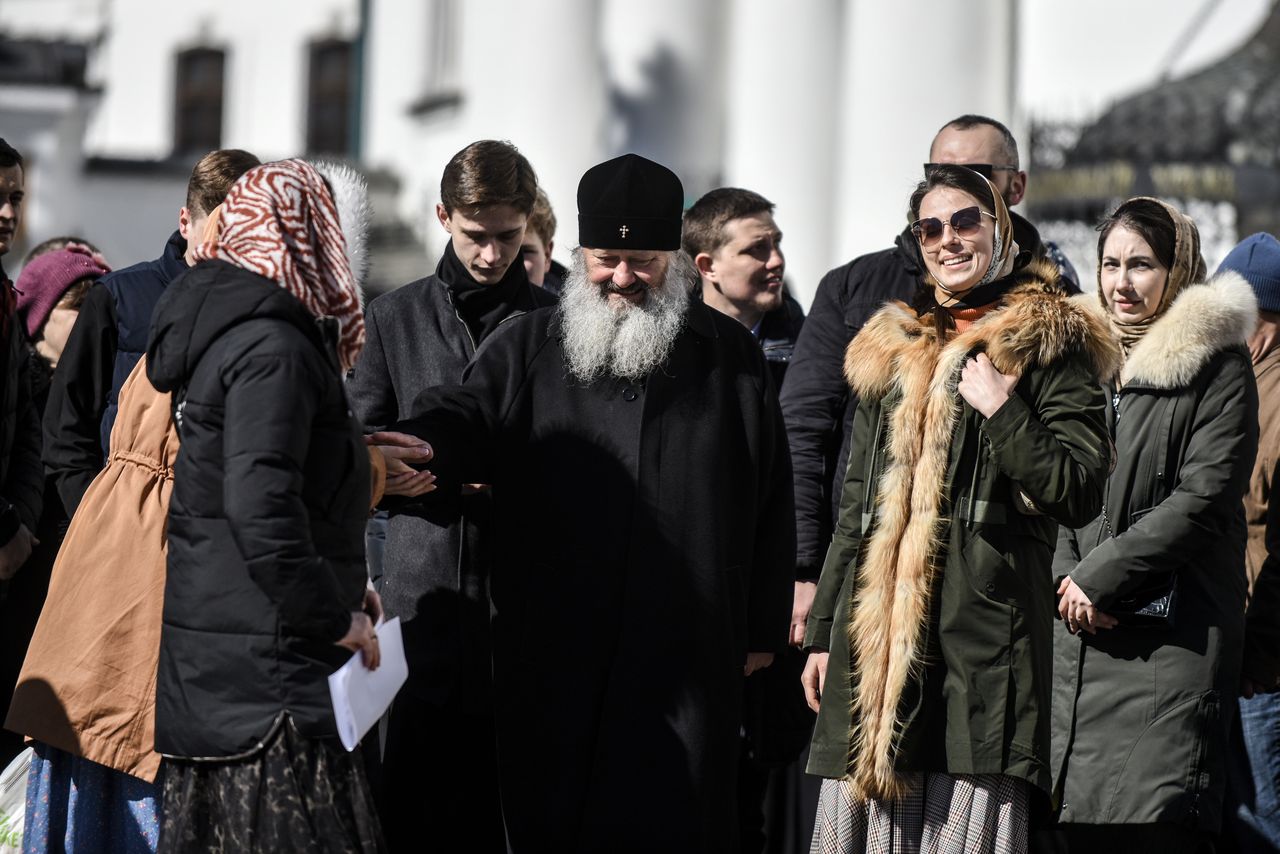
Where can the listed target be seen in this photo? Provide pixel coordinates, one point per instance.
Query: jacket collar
(1202, 321)
(173, 260)
(700, 319)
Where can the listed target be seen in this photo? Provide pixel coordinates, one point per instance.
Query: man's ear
(706, 265)
(551, 244)
(184, 224)
(1017, 188)
(443, 216)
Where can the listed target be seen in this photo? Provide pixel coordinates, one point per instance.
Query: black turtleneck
(481, 307)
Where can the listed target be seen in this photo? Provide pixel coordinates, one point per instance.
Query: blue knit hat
(1257, 258)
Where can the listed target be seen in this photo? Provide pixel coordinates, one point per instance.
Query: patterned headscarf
(1004, 249)
(279, 221)
(1188, 268)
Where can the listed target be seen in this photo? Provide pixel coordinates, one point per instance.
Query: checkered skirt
(943, 814)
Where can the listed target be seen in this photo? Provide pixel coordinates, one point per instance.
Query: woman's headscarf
(1004, 249)
(279, 221)
(1004, 252)
(1187, 269)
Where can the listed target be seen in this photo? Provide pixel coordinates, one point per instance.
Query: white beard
(621, 339)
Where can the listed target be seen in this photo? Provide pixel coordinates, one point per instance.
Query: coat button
(991, 588)
(630, 395)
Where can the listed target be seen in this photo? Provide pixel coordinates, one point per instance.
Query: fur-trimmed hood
(1036, 326)
(1204, 319)
(351, 198)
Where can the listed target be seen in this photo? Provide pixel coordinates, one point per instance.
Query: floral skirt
(976, 814)
(76, 805)
(297, 795)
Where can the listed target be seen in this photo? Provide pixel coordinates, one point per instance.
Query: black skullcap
(630, 202)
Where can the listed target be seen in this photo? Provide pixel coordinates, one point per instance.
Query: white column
(908, 69)
(533, 75)
(664, 61)
(781, 96)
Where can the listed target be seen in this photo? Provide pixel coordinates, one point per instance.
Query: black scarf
(481, 307)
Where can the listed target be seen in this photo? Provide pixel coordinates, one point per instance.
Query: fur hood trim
(351, 198)
(1036, 325)
(1202, 321)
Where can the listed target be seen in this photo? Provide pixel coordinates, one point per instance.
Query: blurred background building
(825, 106)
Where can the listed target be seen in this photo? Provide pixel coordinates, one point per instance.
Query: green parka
(935, 600)
(1141, 715)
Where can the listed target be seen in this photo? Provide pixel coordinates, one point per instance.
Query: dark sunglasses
(986, 170)
(964, 222)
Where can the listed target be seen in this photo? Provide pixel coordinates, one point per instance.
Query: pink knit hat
(45, 279)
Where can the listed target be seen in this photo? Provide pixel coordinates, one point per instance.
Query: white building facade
(824, 106)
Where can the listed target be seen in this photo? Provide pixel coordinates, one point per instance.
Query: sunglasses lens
(966, 221)
(927, 231)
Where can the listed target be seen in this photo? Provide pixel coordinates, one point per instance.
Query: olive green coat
(1141, 715)
(935, 599)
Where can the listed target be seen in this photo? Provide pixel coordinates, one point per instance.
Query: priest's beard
(623, 340)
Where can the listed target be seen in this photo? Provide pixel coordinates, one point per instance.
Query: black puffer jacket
(266, 523)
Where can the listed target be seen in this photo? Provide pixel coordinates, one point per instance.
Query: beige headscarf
(1188, 268)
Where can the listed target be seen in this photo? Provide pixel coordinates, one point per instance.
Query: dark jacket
(966, 649)
(816, 400)
(23, 596)
(266, 522)
(644, 546)
(21, 475)
(108, 339)
(778, 333)
(435, 563)
(1141, 715)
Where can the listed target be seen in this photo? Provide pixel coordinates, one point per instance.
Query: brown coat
(1258, 498)
(1262, 513)
(89, 681)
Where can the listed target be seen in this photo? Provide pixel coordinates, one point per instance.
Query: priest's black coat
(646, 544)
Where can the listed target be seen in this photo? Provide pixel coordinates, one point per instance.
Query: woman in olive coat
(1141, 712)
(980, 427)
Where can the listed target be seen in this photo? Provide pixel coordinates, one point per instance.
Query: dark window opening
(329, 101)
(198, 93)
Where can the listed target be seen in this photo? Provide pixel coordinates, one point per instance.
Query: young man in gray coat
(439, 777)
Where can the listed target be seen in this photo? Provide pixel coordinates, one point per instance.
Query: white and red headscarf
(279, 221)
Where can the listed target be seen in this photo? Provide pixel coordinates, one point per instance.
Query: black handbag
(1149, 605)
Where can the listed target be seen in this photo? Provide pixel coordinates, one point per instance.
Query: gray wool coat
(435, 569)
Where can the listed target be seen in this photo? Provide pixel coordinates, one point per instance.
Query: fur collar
(1202, 321)
(1036, 325)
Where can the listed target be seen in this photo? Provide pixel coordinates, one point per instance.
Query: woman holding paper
(265, 594)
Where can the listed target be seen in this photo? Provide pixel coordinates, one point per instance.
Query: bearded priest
(644, 533)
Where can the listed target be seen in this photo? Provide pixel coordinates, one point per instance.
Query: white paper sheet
(360, 695)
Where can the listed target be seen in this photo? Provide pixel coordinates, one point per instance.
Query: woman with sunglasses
(1143, 695)
(980, 426)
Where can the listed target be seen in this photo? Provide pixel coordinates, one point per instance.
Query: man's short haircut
(704, 223)
(9, 155)
(488, 172)
(213, 176)
(542, 220)
(969, 121)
